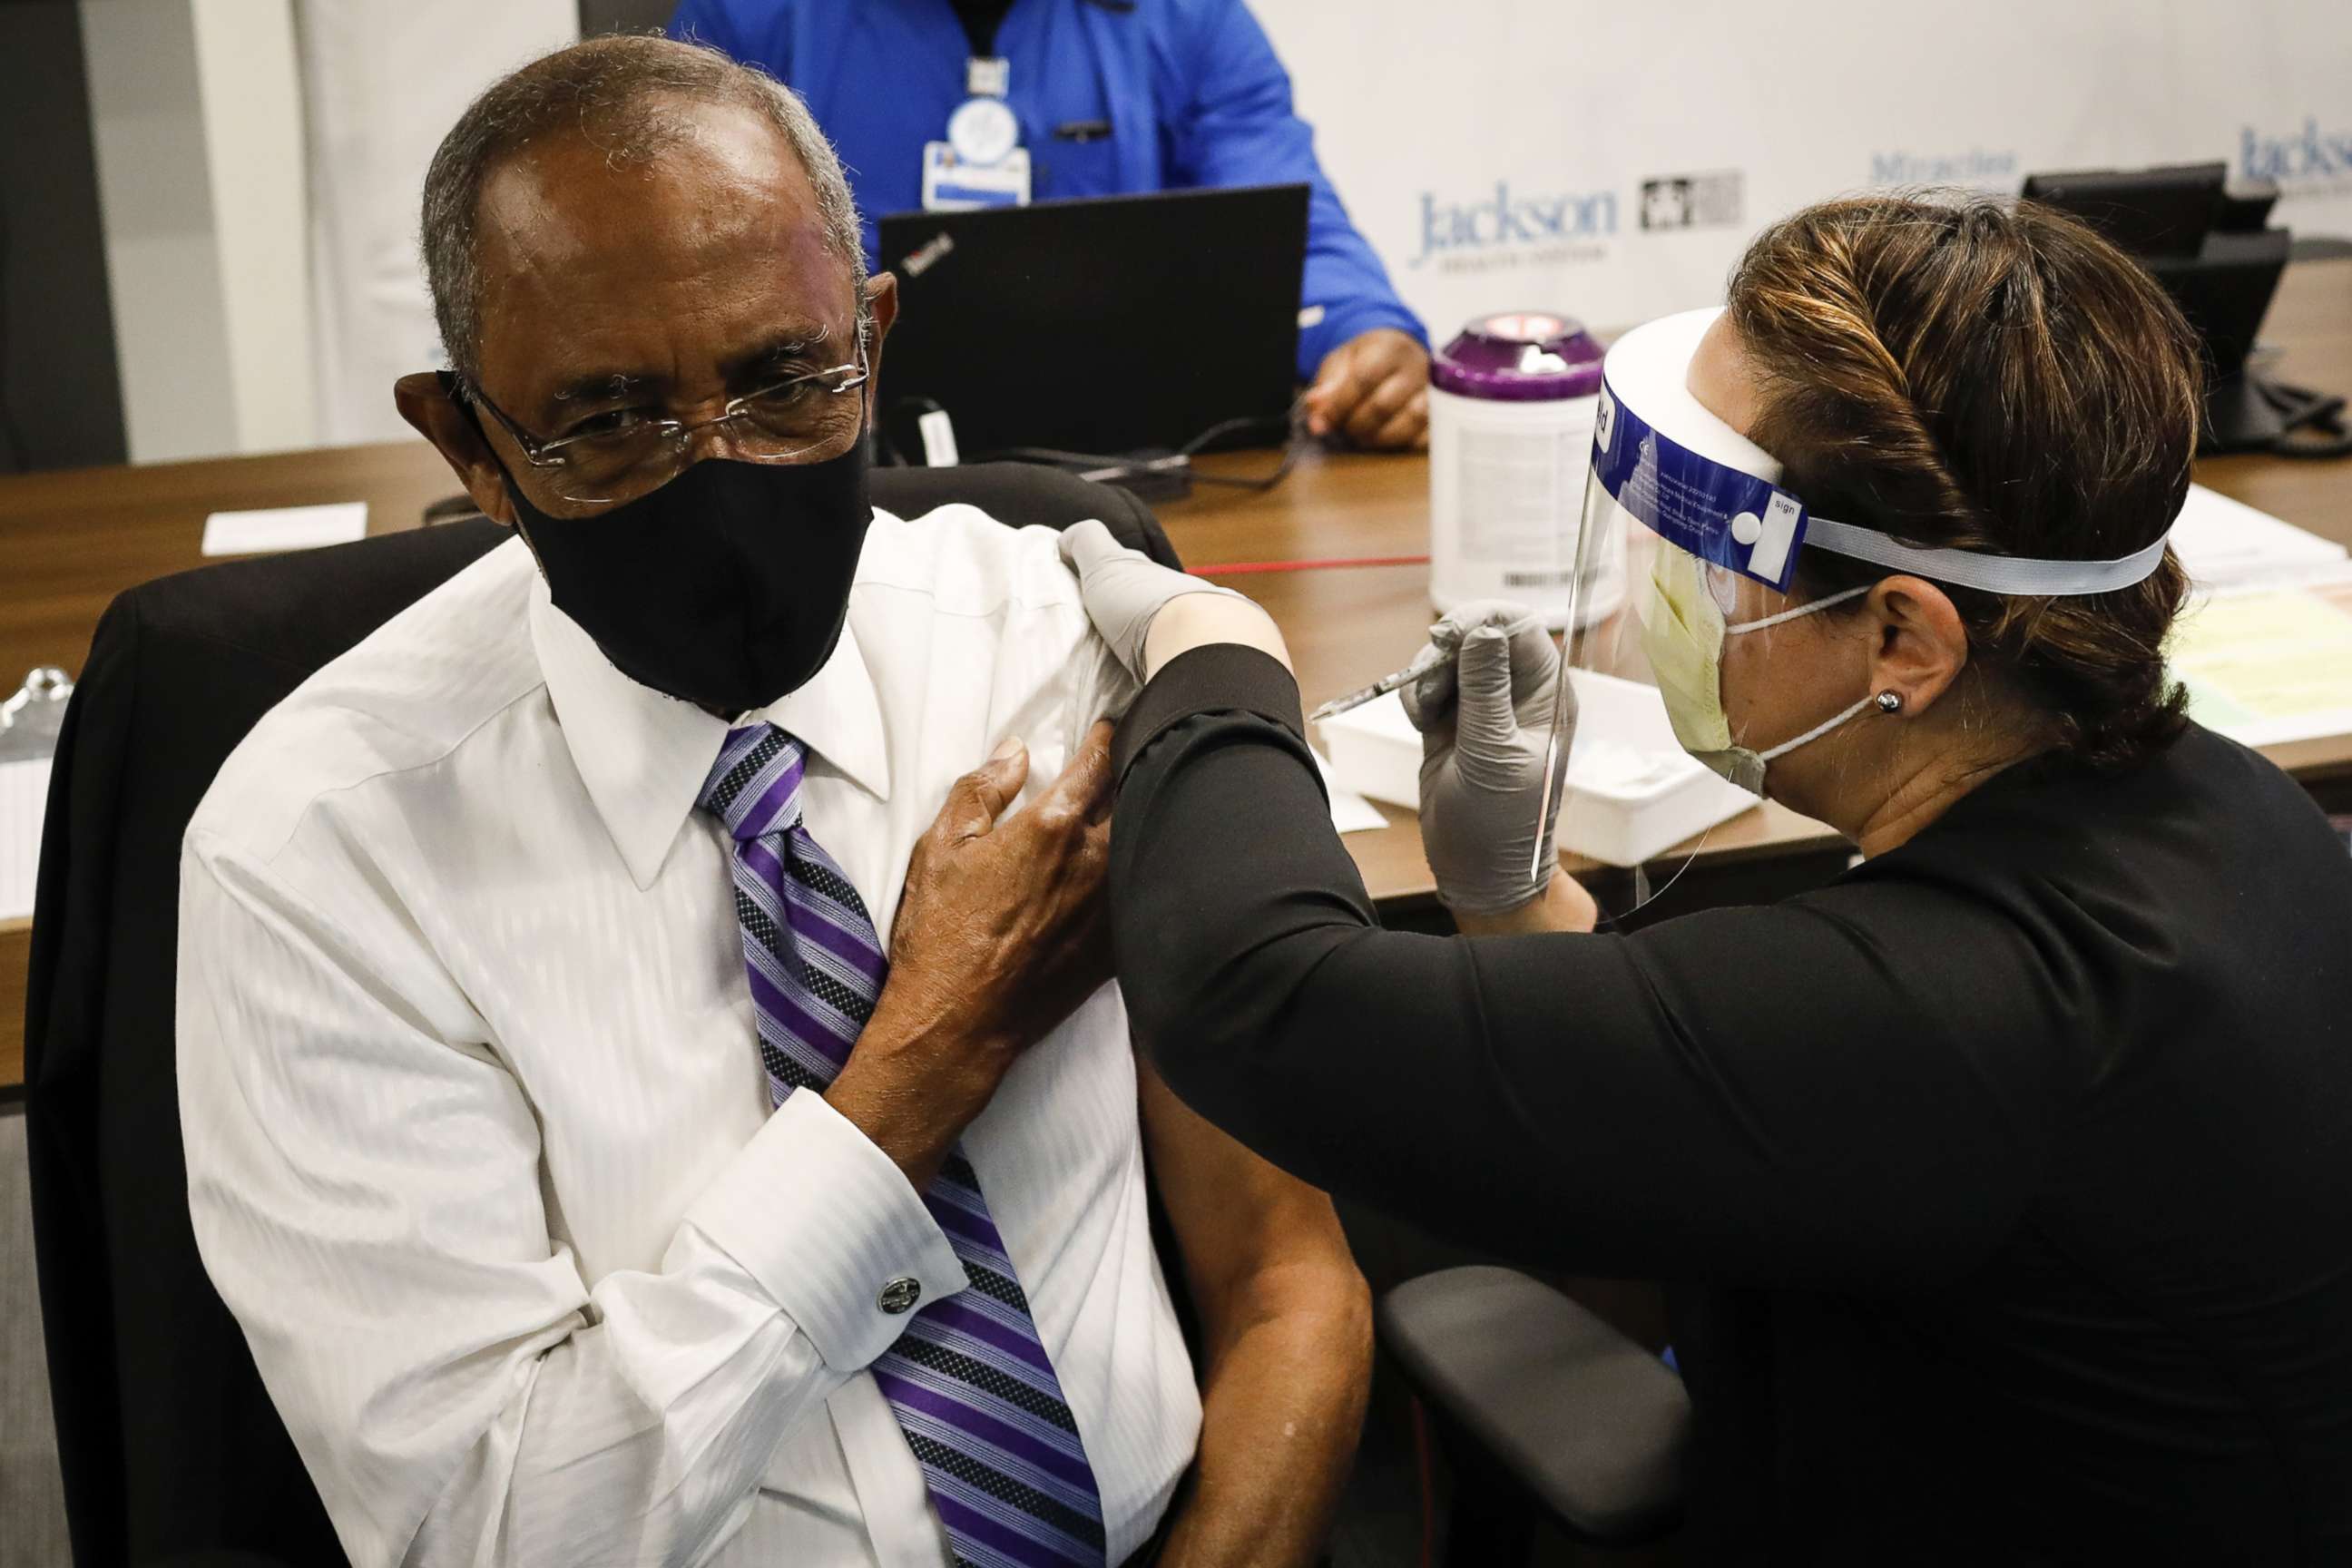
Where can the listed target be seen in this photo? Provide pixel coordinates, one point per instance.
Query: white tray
(1632, 792)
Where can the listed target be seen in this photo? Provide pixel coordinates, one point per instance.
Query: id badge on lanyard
(982, 163)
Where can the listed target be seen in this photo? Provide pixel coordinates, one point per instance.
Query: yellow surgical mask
(1682, 634)
(1683, 631)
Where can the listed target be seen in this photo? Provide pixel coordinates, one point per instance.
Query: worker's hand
(1124, 591)
(1374, 389)
(1484, 712)
(1001, 933)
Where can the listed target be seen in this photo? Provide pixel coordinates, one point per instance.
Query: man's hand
(1374, 389)
(1001, 933)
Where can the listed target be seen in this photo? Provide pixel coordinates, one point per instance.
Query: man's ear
(427, 405)
(881, 309)
(1922, 643)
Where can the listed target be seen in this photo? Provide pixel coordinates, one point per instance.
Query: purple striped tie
(969, 1380)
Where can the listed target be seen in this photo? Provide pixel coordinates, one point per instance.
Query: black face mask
(726, 587)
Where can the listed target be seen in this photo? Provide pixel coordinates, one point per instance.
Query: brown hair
(1984, 375)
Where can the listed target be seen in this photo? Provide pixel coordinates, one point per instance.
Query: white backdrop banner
(382, 84)
(1606, 160)
(1611, 160)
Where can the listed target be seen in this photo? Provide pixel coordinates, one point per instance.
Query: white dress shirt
(478, 1144)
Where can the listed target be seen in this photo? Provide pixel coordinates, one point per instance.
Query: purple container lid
(1519, 356)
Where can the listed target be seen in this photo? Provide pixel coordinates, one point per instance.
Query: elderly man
(590, 1185)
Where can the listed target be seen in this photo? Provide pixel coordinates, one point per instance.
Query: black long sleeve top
(2016, 1163)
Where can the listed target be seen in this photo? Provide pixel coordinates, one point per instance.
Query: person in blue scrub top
(1112, 97)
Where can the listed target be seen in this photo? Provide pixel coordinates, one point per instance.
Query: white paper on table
(23, 796)
(2222, 543)
(2269, 662)
(279, 528)
(1350, 813)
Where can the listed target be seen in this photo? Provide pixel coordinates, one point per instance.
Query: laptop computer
(1104, 326)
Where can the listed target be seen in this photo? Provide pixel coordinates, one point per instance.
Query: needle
(1427, 660)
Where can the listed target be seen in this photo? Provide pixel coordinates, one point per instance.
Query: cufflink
(899, 1295)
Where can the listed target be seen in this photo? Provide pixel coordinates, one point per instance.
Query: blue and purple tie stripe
(969, 1380)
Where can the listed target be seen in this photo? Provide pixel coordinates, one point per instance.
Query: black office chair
(168, 1446)
(1545, 1411)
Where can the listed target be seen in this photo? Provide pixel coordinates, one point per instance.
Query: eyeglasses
(624, 453)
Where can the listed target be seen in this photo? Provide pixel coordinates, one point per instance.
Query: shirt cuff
(1212, 678)
(832, 1229)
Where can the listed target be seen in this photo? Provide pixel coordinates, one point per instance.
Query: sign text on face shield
(1714, 511)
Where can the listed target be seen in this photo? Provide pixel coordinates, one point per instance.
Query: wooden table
(71, 540)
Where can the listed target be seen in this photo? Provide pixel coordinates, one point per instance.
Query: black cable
(1109, 467)
(1218, 431)
(1256, 481)
(12, 438)
(2305, 410)
(1102, 467)
(1297, 437)
(2336, 443)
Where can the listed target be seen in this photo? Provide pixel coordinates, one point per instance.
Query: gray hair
(612, 88)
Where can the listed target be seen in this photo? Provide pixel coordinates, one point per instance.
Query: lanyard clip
(987, 78)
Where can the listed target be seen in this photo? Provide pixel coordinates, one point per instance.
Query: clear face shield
(1678, 685)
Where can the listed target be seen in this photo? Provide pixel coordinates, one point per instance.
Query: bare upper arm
(1254, 1239)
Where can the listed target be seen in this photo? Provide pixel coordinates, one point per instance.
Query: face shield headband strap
(2017, 574)
(1681, 516)
(1698, 483)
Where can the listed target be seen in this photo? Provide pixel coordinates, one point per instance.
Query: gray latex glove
(1484, 712)
(1124, 589)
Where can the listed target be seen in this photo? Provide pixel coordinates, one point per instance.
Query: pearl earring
(1890, 702)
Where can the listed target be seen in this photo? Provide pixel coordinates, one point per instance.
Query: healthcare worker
(969, 102)
(2016, 1163)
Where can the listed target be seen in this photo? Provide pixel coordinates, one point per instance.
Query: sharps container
(1511, 406)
